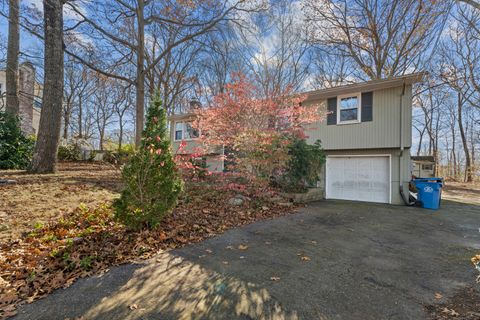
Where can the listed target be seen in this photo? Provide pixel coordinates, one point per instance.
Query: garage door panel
(359, 178)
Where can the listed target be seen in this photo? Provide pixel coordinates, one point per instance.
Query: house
(423, 166)
(181, 130)
(366, 138)
(29, 95)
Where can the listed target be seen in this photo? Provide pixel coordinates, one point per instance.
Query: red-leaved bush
(255, 130)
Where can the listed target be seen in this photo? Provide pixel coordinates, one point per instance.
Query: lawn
(462, 192)
(37, 199)
(57, 228)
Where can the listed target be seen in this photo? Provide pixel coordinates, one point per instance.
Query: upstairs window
(348, 109)
(185, 131)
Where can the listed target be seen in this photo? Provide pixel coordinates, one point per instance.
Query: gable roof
(366, 86)
(423, 158)
(344, 89)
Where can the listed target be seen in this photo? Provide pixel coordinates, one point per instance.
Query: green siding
(382, 132)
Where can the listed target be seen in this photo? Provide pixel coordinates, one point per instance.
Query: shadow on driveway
(332, 260)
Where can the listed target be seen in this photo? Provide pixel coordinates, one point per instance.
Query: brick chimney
(26, 86)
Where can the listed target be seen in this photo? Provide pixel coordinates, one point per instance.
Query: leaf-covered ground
(462, 192)
(37, 199)
(87, 240)
(464, 305)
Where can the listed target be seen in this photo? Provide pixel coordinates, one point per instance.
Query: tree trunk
(45, 155)
(468, 167)
(102, 134)
(12, 58)
(80, 118)
(120, 135)
(66, 123)
(140, 81)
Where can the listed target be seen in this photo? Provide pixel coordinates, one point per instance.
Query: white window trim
(184, 129)
(359, 113)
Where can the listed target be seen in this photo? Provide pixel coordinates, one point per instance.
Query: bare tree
(330, 68)
(103, 107)
(3, 51)
(12, 102)
(120, 27)
(382, 38)
(122, 106)
(45, 154)
(174, 76)
(274, 50)
(459, 69)
(473, 3)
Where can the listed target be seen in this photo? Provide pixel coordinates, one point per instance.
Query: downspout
(402, 148)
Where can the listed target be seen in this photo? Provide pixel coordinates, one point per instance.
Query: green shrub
(70, 152)
(16, 150)
(303, 167)
(152, 181)
(119, 156)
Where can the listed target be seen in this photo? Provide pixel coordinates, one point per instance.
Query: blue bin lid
(428, 179)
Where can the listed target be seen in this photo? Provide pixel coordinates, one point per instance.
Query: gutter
(402, 148)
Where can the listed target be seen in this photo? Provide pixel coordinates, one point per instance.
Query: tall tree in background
(120, 28)
(45, 155)
(381, 38)
(12, 57)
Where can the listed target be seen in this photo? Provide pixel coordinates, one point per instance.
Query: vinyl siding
(191, 146)
(382, 132)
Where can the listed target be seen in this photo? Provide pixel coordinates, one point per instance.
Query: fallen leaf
(242, 247)
(305, 258)
(450, 312)
(133, 306)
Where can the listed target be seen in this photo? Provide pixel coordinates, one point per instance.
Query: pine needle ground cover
(88, 240)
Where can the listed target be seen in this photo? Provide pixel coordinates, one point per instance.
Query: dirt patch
(464, 305)
(37, 199)
(462, 192)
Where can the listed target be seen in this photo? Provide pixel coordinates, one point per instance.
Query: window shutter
(367, 106)
(332, 111)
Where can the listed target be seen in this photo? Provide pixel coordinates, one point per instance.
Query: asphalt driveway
(331, 260)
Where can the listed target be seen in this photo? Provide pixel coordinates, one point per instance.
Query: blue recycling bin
(429, 192)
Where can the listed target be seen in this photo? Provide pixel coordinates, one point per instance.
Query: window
(190, 132)
(178, 130)
(185, 131)
(427, 167)
(348, 109)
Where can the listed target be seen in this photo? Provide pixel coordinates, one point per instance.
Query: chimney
(26, 84)
(195, 104)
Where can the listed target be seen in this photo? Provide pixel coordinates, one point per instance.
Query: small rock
(285, 204)
(276, 199)
(235, 201)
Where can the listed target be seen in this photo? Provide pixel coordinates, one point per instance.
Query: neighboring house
(366, 137)
(423, 166)
(29, 95)
(181, 130)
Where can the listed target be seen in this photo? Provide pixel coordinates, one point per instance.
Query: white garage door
(358, 178)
